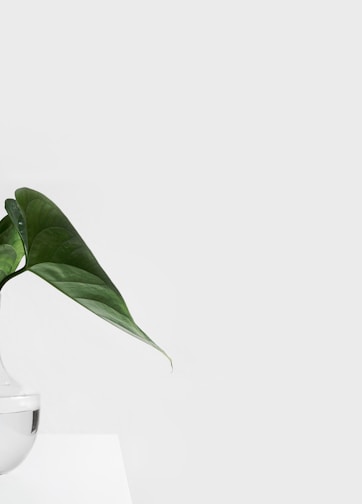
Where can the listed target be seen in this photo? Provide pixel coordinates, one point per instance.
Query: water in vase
(17, 435)
(19, 419)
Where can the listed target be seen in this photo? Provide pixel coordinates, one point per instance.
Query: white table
(69, 469)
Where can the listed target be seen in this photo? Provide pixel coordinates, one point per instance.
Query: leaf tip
(167, 356)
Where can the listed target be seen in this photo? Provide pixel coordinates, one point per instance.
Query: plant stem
(12, 275)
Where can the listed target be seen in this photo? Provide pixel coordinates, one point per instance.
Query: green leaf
(17, 220)
(11, 248)
(56, 252)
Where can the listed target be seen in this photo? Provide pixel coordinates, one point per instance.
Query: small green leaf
(11, 248)
(7, 261)
(56, 252)
(18, 221)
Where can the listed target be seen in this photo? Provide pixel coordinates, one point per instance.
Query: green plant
(37, 228)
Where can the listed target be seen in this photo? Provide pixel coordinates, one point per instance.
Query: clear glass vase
(19, 419)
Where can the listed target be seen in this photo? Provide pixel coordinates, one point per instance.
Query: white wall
(209, 154)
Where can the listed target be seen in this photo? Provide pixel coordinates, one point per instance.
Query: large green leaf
(55, 252)
(11, 248)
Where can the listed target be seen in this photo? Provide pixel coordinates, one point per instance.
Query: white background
(209, 153)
